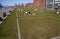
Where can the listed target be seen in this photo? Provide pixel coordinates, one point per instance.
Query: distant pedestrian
(29, 13)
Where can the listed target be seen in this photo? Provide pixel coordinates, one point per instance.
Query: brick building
(37, 4)
(29, 5)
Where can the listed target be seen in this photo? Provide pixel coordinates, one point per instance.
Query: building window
(49, 4)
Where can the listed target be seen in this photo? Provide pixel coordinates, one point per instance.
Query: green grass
(45, 25)
(36, 28)
(8, 27)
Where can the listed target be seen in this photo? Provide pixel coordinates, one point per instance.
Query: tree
(22, 5)
(1, 6)
(16, 5)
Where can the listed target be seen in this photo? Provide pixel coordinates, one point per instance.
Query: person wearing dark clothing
(29, 13)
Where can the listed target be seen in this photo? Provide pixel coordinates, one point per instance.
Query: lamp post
(53, 4)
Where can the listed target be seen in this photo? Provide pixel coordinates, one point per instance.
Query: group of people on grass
(29, 13)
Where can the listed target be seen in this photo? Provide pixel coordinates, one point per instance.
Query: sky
(13, 2)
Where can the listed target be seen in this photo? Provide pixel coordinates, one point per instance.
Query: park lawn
(44, 25)
(39, 28)
(8, 29)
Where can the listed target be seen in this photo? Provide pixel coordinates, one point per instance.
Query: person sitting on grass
(27, 13)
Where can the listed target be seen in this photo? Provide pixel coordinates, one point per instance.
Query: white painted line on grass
(19, 35)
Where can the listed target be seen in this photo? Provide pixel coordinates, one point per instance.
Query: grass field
(44, 25)
(8, 28)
